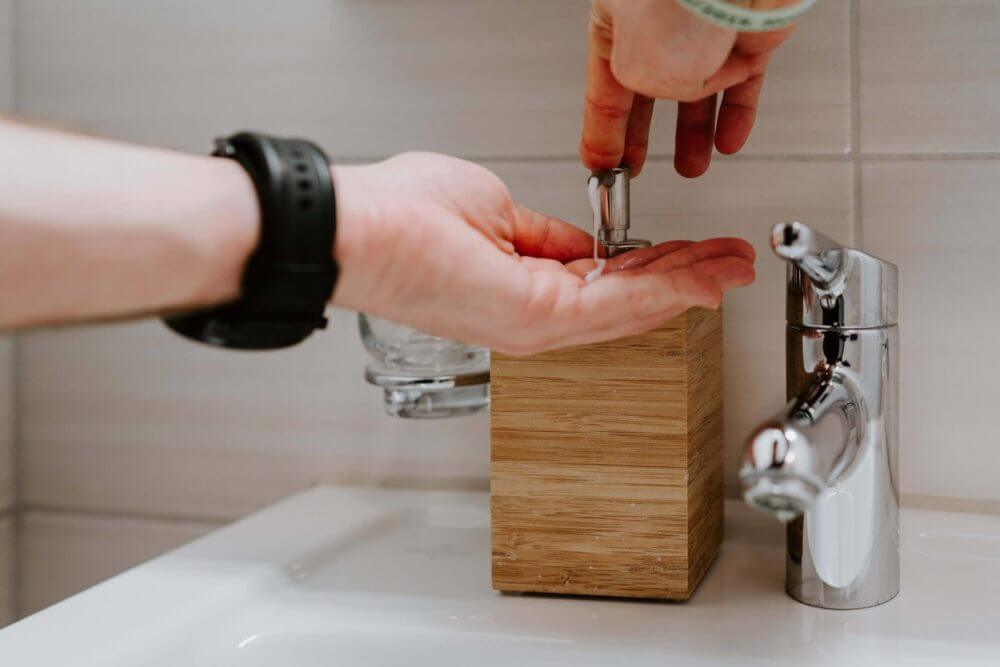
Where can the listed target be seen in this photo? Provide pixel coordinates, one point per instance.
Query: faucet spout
(790, 459)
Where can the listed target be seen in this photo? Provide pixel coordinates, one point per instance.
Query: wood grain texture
(606, 464)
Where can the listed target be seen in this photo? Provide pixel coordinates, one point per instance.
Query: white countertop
(366, 577)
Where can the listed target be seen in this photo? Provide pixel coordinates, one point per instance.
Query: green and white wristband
(744, 19)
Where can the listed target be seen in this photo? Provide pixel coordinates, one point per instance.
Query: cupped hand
(438, 243)
(641, 50)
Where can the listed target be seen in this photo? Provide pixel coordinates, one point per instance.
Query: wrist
(282, 281)
(356, 244)
(228, 229)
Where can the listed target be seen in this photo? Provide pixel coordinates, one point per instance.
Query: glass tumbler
(424, 376)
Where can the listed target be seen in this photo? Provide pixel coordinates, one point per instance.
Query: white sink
(343, 577)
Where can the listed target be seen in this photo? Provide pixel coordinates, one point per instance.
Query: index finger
(540, 235)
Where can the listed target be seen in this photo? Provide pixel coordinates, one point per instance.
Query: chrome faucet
(827, 463)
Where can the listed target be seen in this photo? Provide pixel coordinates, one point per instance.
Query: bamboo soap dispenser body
(606, 463)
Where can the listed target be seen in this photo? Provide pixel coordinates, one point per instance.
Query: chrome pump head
(613, 195)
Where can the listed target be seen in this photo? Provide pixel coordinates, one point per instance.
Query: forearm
(95, 229)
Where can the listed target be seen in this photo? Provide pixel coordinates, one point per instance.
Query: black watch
(291, 275)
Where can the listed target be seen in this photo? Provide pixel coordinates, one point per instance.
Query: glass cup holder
(424, 376)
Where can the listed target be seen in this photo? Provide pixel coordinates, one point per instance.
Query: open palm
(444, 248)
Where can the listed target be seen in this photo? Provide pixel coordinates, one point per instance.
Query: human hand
(437, 243)
(641, 50)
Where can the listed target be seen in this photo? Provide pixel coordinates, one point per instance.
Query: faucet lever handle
(832, 285)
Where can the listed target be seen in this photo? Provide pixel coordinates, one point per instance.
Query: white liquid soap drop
(595, 205)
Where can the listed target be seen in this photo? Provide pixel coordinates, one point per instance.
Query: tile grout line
(850, 157)
(919, 501)
(458, 485)
(16, 375)
(655, 157)
(12, 512)
(124, 515)
(928, 157)
(857, 167)
(909, 501)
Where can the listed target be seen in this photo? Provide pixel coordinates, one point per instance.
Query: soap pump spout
(613, 197)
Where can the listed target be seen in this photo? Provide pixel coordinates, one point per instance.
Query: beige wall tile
(930, 76)
(131, 418)
(805, 106)
(134, 418)
(474, 78)
(938, 222)
(62, 554)
(365, 78)
(6, 570)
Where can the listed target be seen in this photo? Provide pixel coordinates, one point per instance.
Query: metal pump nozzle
(612, 188)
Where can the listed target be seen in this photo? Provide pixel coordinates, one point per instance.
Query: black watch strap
(290, 276)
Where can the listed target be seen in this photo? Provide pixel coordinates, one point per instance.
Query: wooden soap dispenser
(606, 459)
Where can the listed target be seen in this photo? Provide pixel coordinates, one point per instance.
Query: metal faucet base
(820, 603)
(809, 588)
